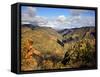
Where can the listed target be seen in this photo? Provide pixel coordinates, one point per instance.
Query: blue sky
(50, 12)
(57, 17)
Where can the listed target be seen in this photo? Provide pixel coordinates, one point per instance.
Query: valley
(46, 48)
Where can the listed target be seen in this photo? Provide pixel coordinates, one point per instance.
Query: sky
(57, 18)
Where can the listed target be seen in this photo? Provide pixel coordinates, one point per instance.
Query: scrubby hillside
(42, 44)
(46, 48)
(76, 34)
(79, 44)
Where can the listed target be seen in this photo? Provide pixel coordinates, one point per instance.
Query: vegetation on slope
(45, 48)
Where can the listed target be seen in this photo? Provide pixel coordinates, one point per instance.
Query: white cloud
(31, 11)
(30, 17)
(75, 12)
(61, 18)
(60, 22)
(81, 21)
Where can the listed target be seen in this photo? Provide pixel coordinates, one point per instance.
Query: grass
(43, 51)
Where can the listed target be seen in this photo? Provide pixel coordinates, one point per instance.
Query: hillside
(44, 41)
(46, 48)
(79, 45)
(76, 34)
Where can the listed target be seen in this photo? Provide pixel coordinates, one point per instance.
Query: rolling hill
(46, 48)
(42, 42)
(76, 34)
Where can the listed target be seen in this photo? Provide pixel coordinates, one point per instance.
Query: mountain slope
(76, 34)
(46, 48)
(41, 44)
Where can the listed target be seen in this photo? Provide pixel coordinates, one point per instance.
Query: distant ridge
(29, 25)
(76, 34)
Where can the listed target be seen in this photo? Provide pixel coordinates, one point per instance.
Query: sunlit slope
(44, 40)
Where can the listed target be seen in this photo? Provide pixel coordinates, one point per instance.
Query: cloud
(61, 18)
(60, 22)
(77, 12)
(31, 11)
(30, 17)
(75, 22)
(81, 21)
